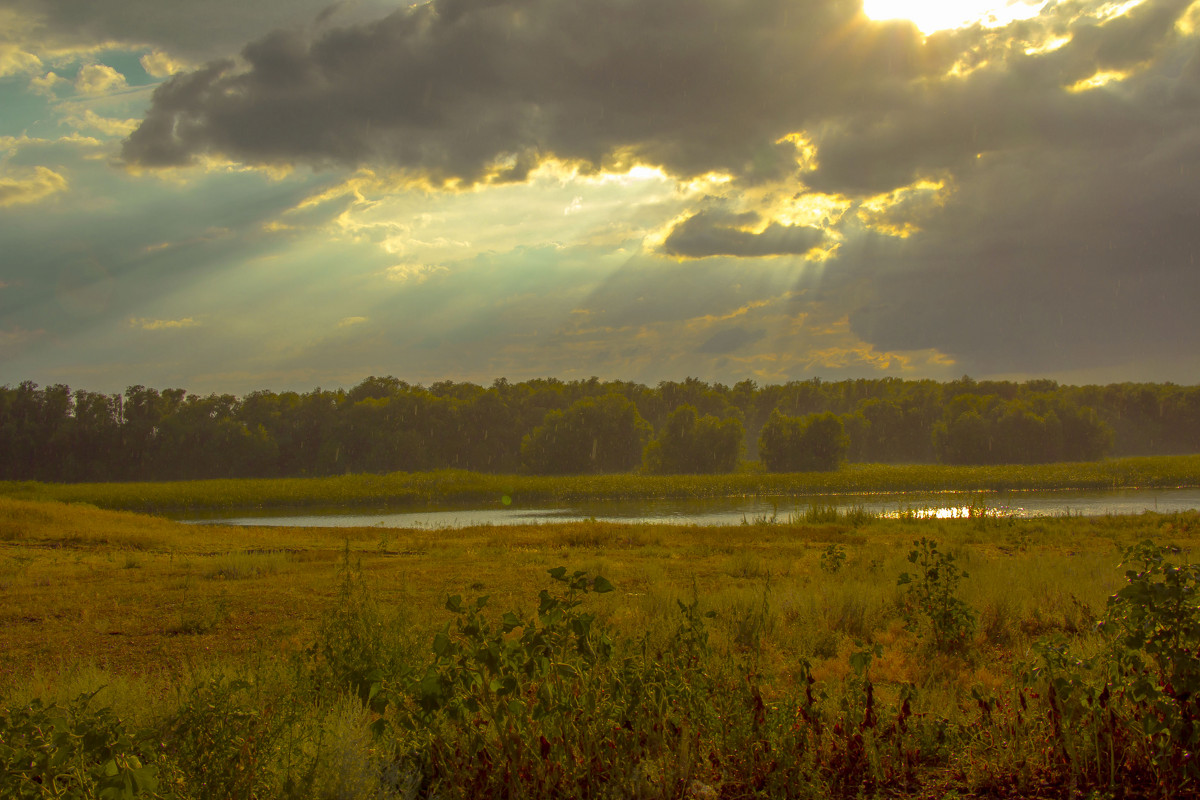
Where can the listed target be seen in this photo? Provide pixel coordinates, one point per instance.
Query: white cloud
(98, 79)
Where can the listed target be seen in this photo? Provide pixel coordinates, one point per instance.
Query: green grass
(451, 487)
(307, 663)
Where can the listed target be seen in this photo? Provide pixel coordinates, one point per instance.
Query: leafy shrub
(220, 740)
(934, 592)
(358, 646)
(832, 558)
(50, 751)
(1156, 620)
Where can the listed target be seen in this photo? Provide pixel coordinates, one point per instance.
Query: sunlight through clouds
(1097, 80)
(597, 187)
(936, 15)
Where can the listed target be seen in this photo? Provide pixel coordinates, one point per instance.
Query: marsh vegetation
(461, 488)
(837, 656)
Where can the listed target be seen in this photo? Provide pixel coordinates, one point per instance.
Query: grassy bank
(407, 490)
(759, 660)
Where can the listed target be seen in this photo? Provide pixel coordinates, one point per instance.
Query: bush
(1156, 620)
(49, 751)
(934, 592)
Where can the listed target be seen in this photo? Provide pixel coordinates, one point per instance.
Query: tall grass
(781, 660)
(456, 487)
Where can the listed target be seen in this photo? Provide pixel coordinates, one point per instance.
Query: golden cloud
(899, 212)
(160, 65)
(162, 324)
(45, 84)
(98, 79)
(15, 61)
(1098, 79)
(106, 125)
(31, 187)
(413, 273)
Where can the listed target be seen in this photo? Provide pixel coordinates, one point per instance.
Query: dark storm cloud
(193, 30)
(1078, 253)
(467, 89)
(711, 233)
(1063, 238)
(1017, 100)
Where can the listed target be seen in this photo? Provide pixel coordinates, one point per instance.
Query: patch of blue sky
(129, 64)
(24, 113)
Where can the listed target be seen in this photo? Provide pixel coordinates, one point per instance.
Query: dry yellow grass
(134, 594)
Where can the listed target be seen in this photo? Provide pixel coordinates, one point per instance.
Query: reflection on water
(736, 510)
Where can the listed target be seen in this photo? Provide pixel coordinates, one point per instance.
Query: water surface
(735, 510)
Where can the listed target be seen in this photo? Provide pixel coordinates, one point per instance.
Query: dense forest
(552, 426)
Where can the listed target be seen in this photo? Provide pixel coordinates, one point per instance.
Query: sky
(284, 194)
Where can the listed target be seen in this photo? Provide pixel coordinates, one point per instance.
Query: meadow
(843, 657)
(459, 487)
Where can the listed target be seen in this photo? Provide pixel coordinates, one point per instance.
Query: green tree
(689, 443)
(816, 442)
(605, 434)
(964, 439)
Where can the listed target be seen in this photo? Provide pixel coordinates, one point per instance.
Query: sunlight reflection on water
(738, 510)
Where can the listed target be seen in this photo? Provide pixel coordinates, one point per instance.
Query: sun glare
(938, 15)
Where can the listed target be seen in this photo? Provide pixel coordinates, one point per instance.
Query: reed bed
(404, 490)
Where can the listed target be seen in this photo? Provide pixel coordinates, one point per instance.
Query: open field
(771, 659)
(404, 489)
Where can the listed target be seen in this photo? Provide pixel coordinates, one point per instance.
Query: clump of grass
(592, 536)
(832, 514)
(243, 565)
(998, 622)
(745, 563)
(201, 618)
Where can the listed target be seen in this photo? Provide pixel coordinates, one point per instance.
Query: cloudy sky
(284, 194)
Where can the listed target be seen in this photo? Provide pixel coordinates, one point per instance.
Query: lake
(735, 510)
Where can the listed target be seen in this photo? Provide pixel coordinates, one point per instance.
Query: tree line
(550, 426)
